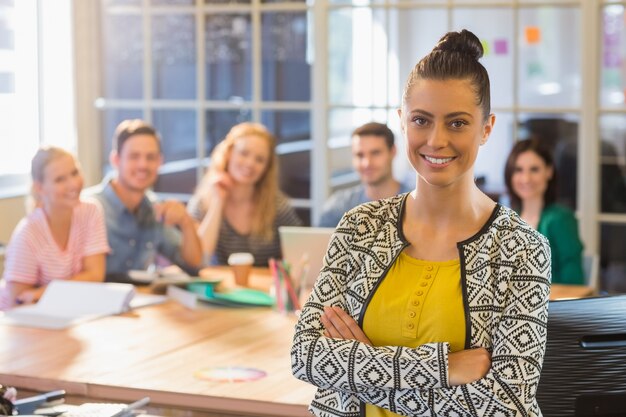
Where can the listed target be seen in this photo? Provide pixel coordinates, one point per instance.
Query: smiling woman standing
(531, 182)
(432, 302)
(63, 237)
(238, 205)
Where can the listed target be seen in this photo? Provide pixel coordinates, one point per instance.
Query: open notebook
(65, 303)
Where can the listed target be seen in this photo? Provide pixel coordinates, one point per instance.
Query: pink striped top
(33, 256)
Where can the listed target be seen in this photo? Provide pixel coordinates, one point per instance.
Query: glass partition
(286, 68)
(174, 57)
(228, 56)
(122, 56)
(613, 163)
(549, 73)
(495, 29)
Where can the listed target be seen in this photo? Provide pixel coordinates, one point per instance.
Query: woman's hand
(220, 185)
(30, 296)
(171, 213)
(468, 365)
(464, 367)
(340, 325)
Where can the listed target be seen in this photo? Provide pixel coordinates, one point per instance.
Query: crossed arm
(464, 367)
(331, 351)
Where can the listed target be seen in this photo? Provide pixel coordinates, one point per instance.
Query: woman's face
(62, 183)
(530, 176)
(249, 159)
(444, 127)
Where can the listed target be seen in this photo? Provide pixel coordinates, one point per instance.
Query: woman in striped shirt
(238, 205)
(62, 237)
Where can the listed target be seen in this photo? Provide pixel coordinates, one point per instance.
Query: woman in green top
(531, 181)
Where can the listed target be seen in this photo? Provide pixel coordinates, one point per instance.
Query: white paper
(184, 297)
(144, 300)
(68, 302)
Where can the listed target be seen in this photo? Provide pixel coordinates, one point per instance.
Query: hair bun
(463, 42)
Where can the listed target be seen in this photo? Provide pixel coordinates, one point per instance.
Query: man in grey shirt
(373, 150)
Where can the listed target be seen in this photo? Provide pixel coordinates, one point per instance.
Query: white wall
(11, 211)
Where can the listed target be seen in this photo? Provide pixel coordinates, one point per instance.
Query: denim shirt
(136, 238)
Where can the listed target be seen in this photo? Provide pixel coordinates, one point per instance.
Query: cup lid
(241, 258)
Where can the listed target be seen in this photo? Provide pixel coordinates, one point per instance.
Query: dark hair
(456, 57)
(535, 146)
(375, 129)
(128, 128)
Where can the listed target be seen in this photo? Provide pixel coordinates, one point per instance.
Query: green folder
(240, 297)
(246, 296)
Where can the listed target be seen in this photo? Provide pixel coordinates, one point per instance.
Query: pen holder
(283, 290)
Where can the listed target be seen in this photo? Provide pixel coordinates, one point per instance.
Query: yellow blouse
(417, 302)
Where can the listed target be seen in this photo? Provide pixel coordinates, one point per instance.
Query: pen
(132, 407)
(28, 405)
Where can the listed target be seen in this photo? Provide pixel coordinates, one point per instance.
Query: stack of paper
(65, 303)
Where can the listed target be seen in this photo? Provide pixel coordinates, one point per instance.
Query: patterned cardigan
(505, 276)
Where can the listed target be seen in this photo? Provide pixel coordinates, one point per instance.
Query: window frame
(589, 111)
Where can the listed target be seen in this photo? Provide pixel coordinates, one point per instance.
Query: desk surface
(562, 291)
(156, 351)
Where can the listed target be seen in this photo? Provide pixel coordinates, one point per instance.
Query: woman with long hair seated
(238, 204)
(63, 237)
(531, 182)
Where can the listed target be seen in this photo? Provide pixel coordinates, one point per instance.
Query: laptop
(303, 249)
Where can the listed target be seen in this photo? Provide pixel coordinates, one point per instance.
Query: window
(194, 70)
(313, 71)
(36, 85)
(18, 90)
(532, 87)
(611, 146)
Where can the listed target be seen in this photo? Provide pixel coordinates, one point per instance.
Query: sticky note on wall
(501, 46)
(485, 47)
(532, 34)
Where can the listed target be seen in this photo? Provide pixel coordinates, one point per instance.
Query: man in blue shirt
(373, 150)
(138, 228)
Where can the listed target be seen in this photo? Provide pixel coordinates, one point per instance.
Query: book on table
(65, 303)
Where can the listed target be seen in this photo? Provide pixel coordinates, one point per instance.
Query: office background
(312, 71)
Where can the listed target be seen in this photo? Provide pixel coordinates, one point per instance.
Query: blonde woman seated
(238, 204)
(63, 237)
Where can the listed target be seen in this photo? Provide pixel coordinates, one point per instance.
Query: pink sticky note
(501, 46)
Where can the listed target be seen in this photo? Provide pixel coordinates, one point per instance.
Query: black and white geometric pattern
(506, 272)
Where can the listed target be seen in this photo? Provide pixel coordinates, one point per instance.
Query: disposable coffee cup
(241, 265)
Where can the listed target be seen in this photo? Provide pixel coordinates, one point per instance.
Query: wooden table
(157, 351)
(563, 291)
